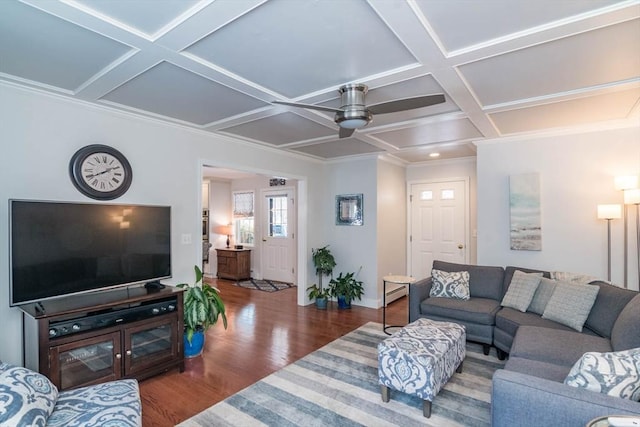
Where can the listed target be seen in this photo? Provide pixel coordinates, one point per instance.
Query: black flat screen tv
(59, 249)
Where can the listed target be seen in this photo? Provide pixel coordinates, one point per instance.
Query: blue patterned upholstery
(421, 357)
(28, 398)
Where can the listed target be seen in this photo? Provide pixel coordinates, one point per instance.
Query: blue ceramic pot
(194, 348)
(343, 302)
(321, 303)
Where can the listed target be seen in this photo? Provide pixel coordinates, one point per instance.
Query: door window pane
(447, 195)
(277, 211)
(426, 195)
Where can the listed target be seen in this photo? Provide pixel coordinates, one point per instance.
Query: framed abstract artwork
(525, 212)
(349, 209)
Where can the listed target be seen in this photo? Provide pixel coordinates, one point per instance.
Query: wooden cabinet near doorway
(234, 264)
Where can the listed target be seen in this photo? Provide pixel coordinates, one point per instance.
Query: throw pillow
(28, 397)
(570, 304)
(542, 296)
(575, 278)
(616, 374)
(521, 290)
(449, 285)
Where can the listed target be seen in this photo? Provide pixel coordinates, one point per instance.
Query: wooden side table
(400, 280)
(234, 264)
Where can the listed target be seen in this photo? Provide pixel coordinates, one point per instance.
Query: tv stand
(91, 338)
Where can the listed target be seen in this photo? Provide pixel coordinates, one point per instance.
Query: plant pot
(343, 302)
(321, 303)
(194, 348)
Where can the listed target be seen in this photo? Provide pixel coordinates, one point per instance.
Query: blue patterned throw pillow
(449, 284)
(27, 398)
(616, 373)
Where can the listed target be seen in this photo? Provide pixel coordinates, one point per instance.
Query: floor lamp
(632, 197)
(609, 212)
(622, 183)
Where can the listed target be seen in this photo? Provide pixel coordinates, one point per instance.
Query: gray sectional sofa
(530, 391)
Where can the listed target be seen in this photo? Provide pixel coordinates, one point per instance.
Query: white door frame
(466, 213)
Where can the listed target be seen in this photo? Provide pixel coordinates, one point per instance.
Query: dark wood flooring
(266, 332)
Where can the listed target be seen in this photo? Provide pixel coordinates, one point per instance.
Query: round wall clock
(100, 172)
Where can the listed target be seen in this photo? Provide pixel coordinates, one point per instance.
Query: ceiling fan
(354, 114)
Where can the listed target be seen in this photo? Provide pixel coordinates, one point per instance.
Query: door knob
(460, 246)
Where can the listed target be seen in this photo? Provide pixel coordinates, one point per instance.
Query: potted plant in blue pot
(321, 296)
(202, 308)
(346, 288)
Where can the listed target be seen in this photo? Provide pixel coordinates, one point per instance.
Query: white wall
(354, 246)
(392, 222)
(576, 174)
(219, 214)
(40, 133)
(448, 169)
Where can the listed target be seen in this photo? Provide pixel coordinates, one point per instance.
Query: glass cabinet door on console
(88, 361)
(150, 344)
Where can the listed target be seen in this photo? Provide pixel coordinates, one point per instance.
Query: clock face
(100, 172)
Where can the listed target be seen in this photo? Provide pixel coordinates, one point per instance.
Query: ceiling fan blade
(346, 133)
(406, 104)
(310, 106)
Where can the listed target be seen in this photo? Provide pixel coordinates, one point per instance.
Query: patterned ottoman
(420, 358)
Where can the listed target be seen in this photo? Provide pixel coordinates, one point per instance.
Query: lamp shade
(609, 211)
(632, 197)
(625, 182)
(222, 229)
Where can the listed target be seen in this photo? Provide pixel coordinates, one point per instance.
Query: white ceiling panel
(47, 50)
(429, 133)
(589, 59)
(610, 106)
(504, 66)
(281, 129)
(490, 19)
(341, 148)
(171, 91)
(147, 16)
(305, 45)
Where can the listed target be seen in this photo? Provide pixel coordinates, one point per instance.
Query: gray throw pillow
(542, 296)
(521, 290)
(570, 304)
(449, 285)
(616, 374)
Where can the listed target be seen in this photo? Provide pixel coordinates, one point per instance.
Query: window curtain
(243, 205)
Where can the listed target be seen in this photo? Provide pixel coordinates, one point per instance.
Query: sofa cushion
(521, 290)
(555, 346)
(570, 304)
(449, 285)
(537, 368)
(543, 294)
(476, 310)
(484, 281)
(616, 373)
(509, 319)
(27, 398)
(624, 334)
(509, 270)
(114, 403)
(610, 302)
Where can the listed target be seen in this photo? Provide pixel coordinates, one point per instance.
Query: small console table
(234, 264)
(397, 279)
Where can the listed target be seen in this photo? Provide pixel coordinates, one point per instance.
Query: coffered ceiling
(506, 67)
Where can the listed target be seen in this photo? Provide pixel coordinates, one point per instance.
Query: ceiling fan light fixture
(353, 123)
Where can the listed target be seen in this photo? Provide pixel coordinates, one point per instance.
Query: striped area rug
(337, 385)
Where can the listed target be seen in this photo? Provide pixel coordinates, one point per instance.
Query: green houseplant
(346, 288)
(323, 261)
(202, 308)
(321, 296)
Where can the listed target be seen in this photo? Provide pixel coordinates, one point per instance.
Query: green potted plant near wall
(324, 262)
(346, 288)
(202, 308)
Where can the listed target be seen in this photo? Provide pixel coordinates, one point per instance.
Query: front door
(278, 240)
(438, 225)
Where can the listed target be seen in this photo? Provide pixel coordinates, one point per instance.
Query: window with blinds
(243, 218)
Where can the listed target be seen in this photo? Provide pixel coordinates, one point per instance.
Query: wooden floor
(266, 332)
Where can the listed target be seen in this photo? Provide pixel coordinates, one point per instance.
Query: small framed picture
(349, 209)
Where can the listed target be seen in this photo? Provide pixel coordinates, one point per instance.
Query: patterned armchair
(29, 398)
